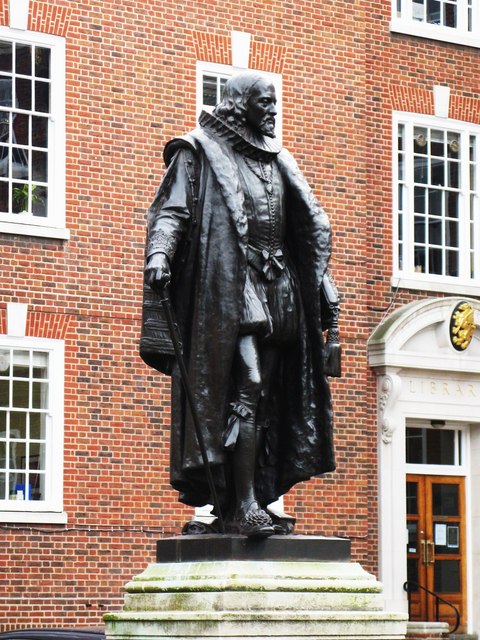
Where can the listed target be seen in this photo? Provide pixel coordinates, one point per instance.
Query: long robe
(209, 267)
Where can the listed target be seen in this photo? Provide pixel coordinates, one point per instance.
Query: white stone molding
(240, 49)
(421, 377)
(389, 388)
(16, 319)
(441, 101)
(18, 13)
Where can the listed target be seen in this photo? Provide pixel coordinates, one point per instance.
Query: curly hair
(233, 107)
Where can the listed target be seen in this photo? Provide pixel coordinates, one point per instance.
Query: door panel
(436, 546)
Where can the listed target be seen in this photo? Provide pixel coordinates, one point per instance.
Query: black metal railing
(411, 585)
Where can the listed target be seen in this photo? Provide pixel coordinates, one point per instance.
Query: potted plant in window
(21, 195)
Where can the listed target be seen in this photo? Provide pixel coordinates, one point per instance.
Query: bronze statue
(240, 244)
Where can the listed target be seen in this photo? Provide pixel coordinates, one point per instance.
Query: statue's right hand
(157, 272)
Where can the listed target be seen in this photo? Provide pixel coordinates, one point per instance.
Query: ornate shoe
(256, 523)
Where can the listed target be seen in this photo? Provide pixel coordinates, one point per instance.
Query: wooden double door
(436, 551)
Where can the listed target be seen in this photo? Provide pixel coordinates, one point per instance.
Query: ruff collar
(254, 147)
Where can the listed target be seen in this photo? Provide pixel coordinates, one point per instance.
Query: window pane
(20, 394)
(418, 10)
(39, 131)
(434, 231)
(420, 260)
(37, 456)
(421, 170)
(420, 137)
(18, 425)
(39, 395)
(21, 128)
(419, 232)
(209, 91)
(445, 501)
(450, 15)
(453, 175)
(412, 573)
(447, 576)
(3, 424)
(21, 364)
(38, 430)
(437, 143)
(4, 362)
(39, 203)
(452, 259)
(23, 93)
(451, 234)
(6, 57)
(23, 59)
(4, 393)
(412, 499)
(452, 204)
(412, 544)
(433, 11)
(5, 93)
(437, 171)
(420, 197)
(435, 261)
(435, 202)
(18, 455)
(3, 457)
(20, 197)
(42, 96)
(39, 166)
(42, 62)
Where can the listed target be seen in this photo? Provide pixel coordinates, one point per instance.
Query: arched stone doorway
(428, 392)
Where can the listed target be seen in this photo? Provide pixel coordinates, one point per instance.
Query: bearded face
(261, 109)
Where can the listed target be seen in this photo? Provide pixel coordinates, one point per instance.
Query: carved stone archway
(422, 375)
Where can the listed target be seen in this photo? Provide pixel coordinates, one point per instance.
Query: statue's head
(249, 103)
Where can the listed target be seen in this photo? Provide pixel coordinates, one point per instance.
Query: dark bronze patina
(241, 246)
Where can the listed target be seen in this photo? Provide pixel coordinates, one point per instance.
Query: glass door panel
(436, 546)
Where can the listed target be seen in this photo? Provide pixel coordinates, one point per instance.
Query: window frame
(456, 35)
(460, 468)
(224, 70)
(51, 509)
(53, 225)
(407, 277)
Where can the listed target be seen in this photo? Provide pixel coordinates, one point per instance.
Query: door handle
(427, 551)
(424, 551)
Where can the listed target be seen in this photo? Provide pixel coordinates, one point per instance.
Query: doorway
(436, 548)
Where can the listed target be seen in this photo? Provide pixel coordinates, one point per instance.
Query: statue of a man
(239, 242)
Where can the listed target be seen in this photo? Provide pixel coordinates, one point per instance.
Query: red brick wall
(131, 86)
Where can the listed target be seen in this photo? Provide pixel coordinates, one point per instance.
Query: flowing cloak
(209, 267)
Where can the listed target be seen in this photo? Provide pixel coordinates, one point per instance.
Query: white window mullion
(48, 220)
(465, 222)
(476, 213)
(43, 437)
(462, 16)
(464, 207)
(409, 218)
(476, 18)
(413, 21)
(407, 9)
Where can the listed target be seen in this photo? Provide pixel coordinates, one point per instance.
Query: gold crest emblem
(462, 326)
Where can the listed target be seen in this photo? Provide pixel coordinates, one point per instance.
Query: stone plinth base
(234, 597)
(427, 630)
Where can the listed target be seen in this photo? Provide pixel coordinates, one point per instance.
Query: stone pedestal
(232, 588)
(428, 631)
